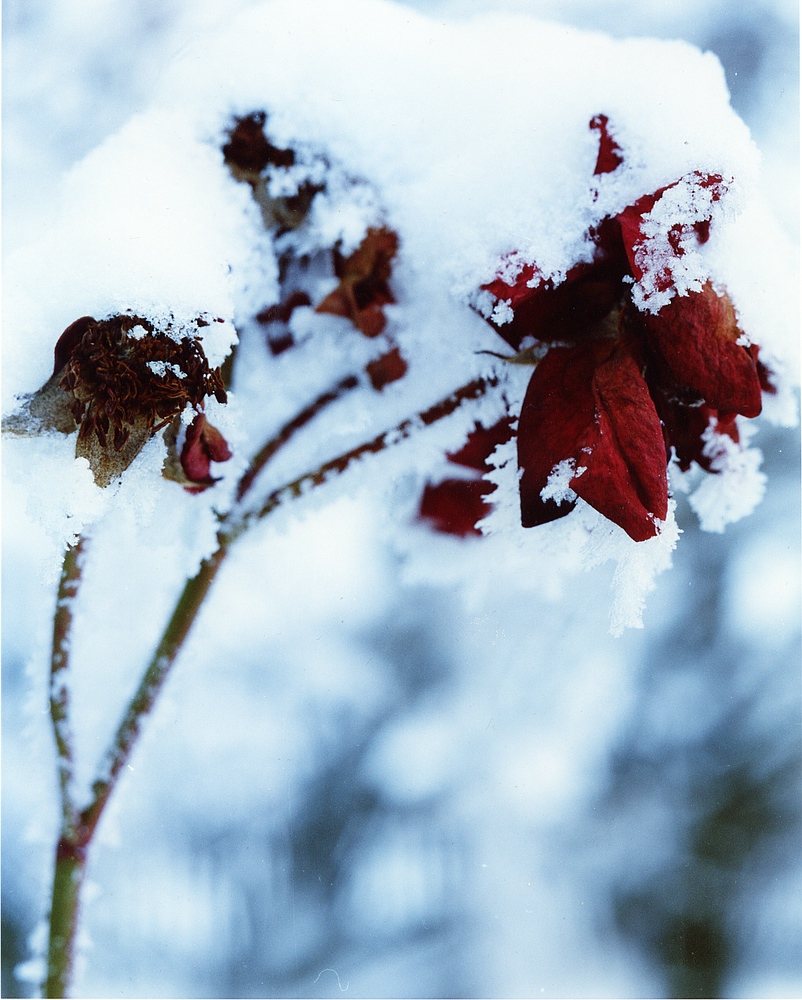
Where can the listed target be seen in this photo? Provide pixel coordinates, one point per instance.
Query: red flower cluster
(619, 387)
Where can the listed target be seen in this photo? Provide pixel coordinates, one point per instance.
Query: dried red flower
(619, 386)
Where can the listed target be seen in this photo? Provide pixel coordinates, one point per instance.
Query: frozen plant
(517, 276)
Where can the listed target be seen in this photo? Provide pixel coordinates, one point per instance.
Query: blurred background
(377, 789)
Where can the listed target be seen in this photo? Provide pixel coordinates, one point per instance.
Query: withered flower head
(119, 381)
(123, 373)
(248, 154)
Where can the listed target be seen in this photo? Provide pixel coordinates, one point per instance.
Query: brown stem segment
(78, 829)
(173, 638)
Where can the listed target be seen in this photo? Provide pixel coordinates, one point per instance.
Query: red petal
(565, 312)
(591, 404)
(609, 151)
(631, 221)
(695, 336)
(556, 420)
(626, 467)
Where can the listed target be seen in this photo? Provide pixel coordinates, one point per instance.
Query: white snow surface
(471, 140)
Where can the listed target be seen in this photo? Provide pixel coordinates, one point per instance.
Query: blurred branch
(306, 415)
(301, 485)
(70, 858)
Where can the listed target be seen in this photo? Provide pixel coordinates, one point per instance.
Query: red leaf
(480, 445)
(455, 506)
(695, 336)
(591, 404)
(388, 368)
(364, 282)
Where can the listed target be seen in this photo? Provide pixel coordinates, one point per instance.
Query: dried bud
(203, 444)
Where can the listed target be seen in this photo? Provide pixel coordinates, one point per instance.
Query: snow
(461, 162)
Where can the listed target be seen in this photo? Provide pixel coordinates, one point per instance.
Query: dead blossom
(119, 381)
(621, 389)
(122, 372)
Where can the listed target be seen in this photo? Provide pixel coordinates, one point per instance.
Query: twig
(294, 489)
(172, 640)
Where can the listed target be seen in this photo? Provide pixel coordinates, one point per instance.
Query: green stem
(67, 882)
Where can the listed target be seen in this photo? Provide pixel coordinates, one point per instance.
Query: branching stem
(78, 827)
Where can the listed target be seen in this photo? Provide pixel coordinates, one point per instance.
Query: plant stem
(67, 881)
(263, 456)
(70, 857)
(172, 640)
(59, 672)
(294, 489)
(78, 828)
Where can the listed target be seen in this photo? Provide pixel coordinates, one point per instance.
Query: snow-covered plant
(517, 277)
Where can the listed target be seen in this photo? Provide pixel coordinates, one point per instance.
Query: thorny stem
(294, 489)
(78, 827)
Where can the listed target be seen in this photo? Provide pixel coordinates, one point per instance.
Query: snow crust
(469, 139)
